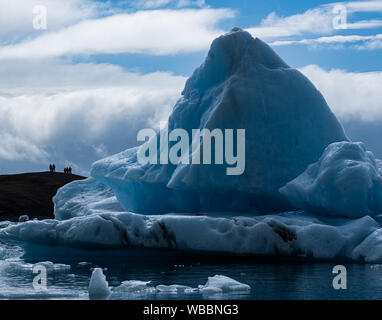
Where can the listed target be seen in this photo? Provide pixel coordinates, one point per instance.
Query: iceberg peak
(242, 85)
(231, 53)
(236, 29)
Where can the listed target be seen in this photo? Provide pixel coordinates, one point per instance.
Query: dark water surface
(268, 280)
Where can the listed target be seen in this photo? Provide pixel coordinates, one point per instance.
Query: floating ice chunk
(132, 289)
(217, 284)
(98, 286)
(133, 286)
(345, 181)
(222, 284)
(84, 197)
(20, 266)
(292, 234)
(57, 267)
(174, 288)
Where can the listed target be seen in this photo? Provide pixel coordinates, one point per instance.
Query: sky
(80, 78)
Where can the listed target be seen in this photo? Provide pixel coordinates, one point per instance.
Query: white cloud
(155, 32)
(55, 75)
(363, 6)
(338, 39)
(364, 24)
(13, 148)
(317, 21)
(98, 113)
(350, 95)
(373, 44)
(16, 16)
(190, 3)
(154, 4)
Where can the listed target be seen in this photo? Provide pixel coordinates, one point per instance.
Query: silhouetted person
(54, 168)
(50, 168)
(70, 170)
(65, 170)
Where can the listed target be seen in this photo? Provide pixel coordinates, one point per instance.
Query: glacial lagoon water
(268, 279)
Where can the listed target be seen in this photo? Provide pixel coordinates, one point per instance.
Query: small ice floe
(174, 289)
(223, 284)
(19, 266)
(133, 288)
(215, 285)
(139, 289)
(24, 218)
(58, 267)
(98, 286)
(84, 263)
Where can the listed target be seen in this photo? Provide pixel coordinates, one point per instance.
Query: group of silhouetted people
(68, 170)
(52, 168)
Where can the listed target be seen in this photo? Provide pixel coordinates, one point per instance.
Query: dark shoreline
(31, 194)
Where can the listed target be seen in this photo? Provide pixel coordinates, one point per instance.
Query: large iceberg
(297, 156)
(243, 84)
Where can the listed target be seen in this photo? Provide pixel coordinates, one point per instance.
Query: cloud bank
(77, 114)
(298, 28)
(157, 32)
(350, 95)
(16, 16)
